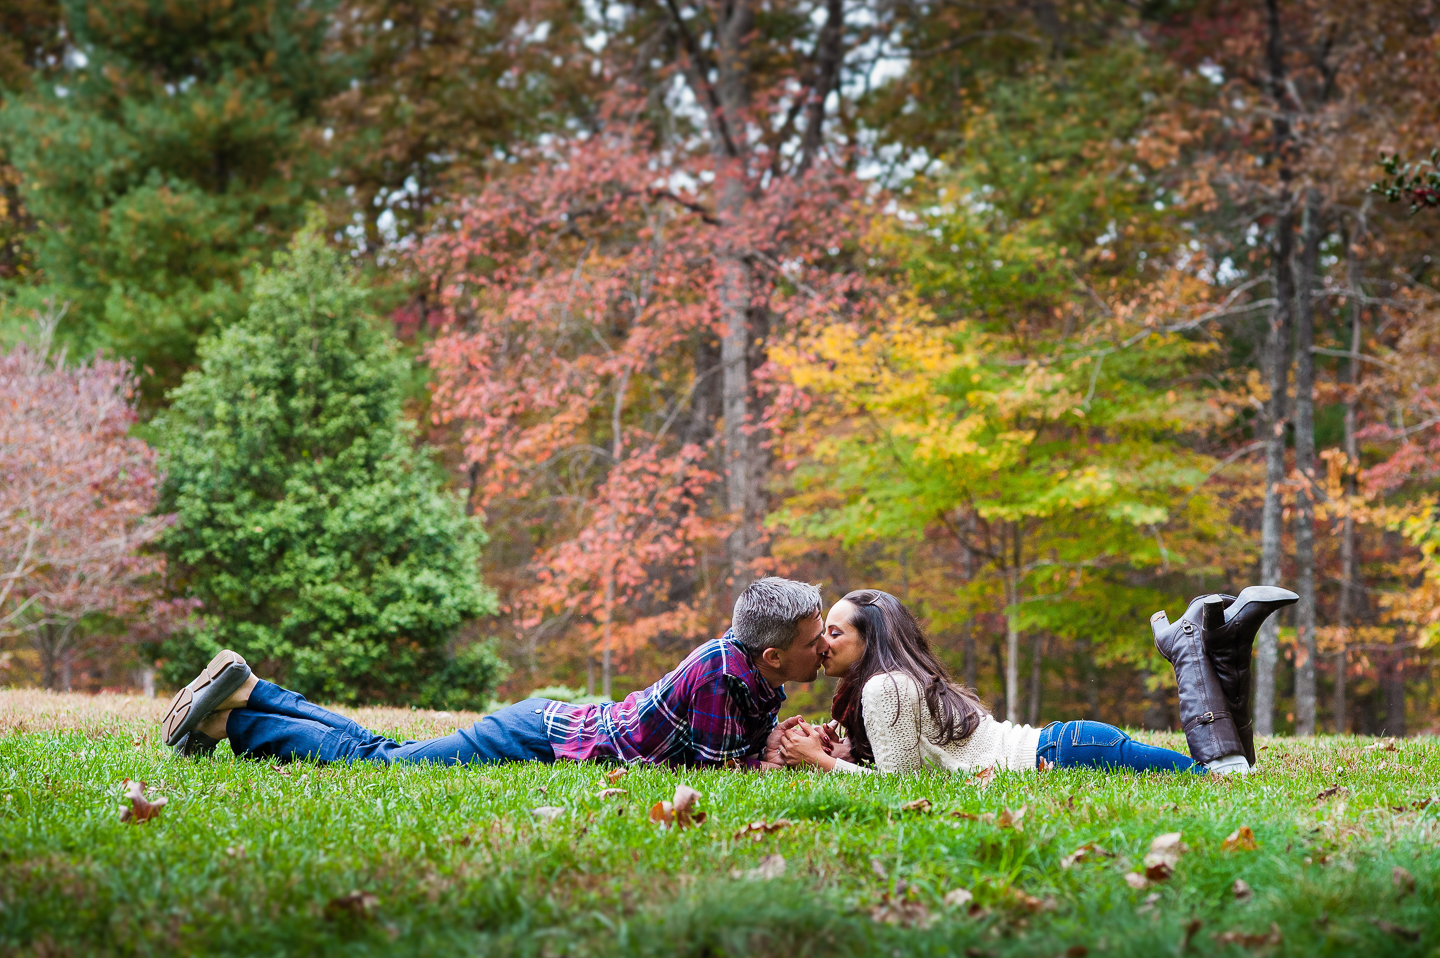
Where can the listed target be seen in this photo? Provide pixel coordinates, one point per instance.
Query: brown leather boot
(1205, 716)
(1229, 625)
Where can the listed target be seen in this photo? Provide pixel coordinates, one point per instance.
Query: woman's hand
(804, 745)
(835, 746)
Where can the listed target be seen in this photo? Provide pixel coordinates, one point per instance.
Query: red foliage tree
(585, 302)
(75, 505)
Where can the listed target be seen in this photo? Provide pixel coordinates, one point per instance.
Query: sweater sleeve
(892, 722)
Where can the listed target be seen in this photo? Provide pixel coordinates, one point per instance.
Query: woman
(902, 711)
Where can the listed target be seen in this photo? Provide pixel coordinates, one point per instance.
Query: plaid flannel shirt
(713, 708)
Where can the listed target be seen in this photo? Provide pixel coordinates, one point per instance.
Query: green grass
(459, 865)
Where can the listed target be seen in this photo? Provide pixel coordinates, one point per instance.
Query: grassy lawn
(246, 859)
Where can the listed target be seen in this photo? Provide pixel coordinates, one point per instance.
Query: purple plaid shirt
(714, 707)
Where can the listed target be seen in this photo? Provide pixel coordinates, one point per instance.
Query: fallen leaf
(1250, 939)
(1010, 818)
(1164, 855)
(680, 811)
(547, 813)
(901, 911)
(1191, 927)
(1403, 881)
(1044, 765)
(1384, 745)
(1241, 890)
(957, 813)
(759, 830)
(282, 769)
(918, 805)
(1241, 839)
(1400, 931)
(770, 867)
(987, 817)
(1085, 853)
(984, 777)
(615, 774)
(1076, 951)
(236, 851)
(611, 793)
(1030, 902)
(878, 867)
(1330, 792)
(1136, 880)
(357, 904)
(140, 808)
(1149, 903)
(959, 897)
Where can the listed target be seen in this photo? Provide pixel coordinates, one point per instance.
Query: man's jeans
(280, 724)
(1097, 745)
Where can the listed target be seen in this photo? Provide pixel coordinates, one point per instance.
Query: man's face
(801, 662)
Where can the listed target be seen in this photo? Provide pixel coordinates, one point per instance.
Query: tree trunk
(1350, 585)
(1012, 632)
(1277, 354)
(967, 628)
(1156, 717)
(1090, 676)
(1000, 674)
(1392, 680)
(1305, 650)
(1037, 650)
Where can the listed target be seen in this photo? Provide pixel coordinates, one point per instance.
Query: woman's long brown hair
(894, 642)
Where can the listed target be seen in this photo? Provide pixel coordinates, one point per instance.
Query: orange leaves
(1160, 861)
(140, 808)
(613, 776)
(983, 778)
(1088, 852)
(1011, 818)
(1241, 839)
(918, 805)
(679, 811)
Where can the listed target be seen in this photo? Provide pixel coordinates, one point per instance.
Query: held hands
(813, 745)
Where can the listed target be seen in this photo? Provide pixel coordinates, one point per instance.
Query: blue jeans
(280, 724)
(1097, 745)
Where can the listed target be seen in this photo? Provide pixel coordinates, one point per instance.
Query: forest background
(1042, 315)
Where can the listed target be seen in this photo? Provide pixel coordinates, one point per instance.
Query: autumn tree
(76, 506)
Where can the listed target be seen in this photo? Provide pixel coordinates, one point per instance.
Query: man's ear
(771, 657)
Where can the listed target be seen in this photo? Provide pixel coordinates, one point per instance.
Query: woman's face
(846, 646)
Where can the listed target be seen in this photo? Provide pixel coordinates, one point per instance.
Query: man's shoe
(1204, 716)
(1229, 625)
(195, 744)
(215, 683)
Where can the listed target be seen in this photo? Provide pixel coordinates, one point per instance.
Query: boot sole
(1271, 595)
(193, 703)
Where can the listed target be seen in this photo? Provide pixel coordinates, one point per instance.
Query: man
(719, 706)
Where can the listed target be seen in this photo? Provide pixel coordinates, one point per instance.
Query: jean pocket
(1096, 734)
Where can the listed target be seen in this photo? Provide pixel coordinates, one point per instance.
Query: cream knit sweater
(907, 743)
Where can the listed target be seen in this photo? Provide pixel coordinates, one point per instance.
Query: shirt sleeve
(850, 768)
(892, 723)
(716, 731)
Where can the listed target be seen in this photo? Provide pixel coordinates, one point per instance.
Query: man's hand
(772, 741)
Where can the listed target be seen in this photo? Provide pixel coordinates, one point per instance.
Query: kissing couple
(896, 708)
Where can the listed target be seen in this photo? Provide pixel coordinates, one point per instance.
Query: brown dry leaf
(1250, 939)
(611, 793)
(1136, 880)
(901, 911)
(1164, 855)
(1149, 904)
(680, 811)
(1403, 881)
(771, 866)
(1030, 902)
(547, 813)
(984, 777)
(918, 805)
(615, 774)
(1085, 853)
(959, 897)
(140, 808)
(1241, 839)
(1241, 890)
(1076, 951)
(957, 813)
(1044, 765)
(357, 904)
(1330, 792)
(1011, 818)
(878, 867)
(1384, 745)
(759, 830)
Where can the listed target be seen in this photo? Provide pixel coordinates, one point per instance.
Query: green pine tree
(174, 153)
(310, 527)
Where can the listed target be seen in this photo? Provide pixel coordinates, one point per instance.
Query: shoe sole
(192, 704)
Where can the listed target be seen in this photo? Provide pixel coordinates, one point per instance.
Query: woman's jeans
(280, 724)
(1097, 745)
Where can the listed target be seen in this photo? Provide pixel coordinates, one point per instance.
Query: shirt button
(538, 711)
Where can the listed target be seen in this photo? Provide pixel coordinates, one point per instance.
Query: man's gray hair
(769, 612)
